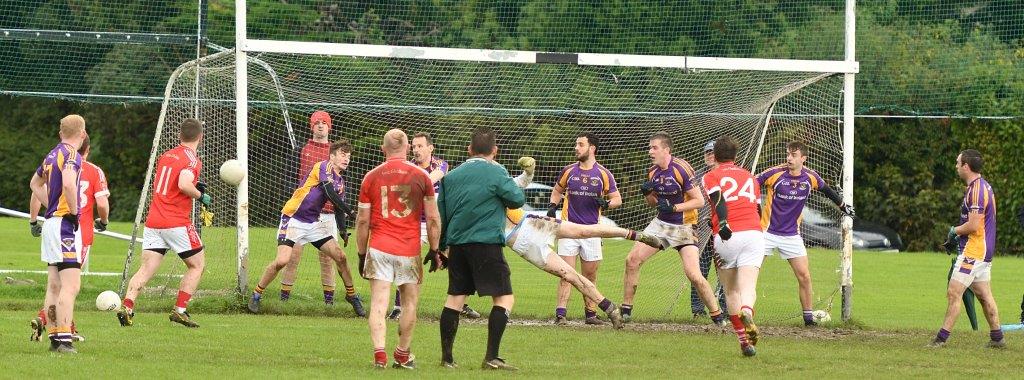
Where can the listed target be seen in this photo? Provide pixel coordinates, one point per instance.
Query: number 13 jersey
(393, 193)
(741, 194)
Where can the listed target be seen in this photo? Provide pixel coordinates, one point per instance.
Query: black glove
(552, 210)
(847, 210)
(73, 219)
(602, 203)
(647, 187)
(100, 225)
(35, 228)
(362, 263)
(952, 242)
(201, 186)
(665, 206)
(204, 198)
(436, 259)
(724, 231)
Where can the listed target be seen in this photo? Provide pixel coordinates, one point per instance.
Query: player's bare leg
(327, 277)
(194, 267)
(802, 272)
(284, 255)
(954, 293)
(558, 267)
(636, 258)
(70, 284)
(690, 256)
(564, 289)
(406, 324)
(379, 292)
(290, 272)
(582, 231)
(151, 261)
(333, 250)
(983, 290)
(589, 270)
(42, 322)
(733, 301)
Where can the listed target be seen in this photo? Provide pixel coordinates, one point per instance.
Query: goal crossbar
(528, 57)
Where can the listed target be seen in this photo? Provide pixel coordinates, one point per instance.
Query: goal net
(537, 109)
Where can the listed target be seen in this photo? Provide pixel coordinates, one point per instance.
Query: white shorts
(968, 271)
(790, 247)
(182, 240)
(300, 233)
(532, 239)
(744, 248)
(588, 249)
(399, 270)
(671, 235)
(330, 224)
(60, 242)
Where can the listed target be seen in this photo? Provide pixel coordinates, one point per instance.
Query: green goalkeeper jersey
(473, 202)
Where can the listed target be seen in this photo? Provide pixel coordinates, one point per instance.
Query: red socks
(129, 303)
(741, 332)
(182, 303)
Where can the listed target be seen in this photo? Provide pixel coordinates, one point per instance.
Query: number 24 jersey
(741, 194)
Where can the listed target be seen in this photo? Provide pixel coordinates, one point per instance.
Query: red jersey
(312, 153)
(93, 185)
(393, 193)
(741, 194)
(170, 207)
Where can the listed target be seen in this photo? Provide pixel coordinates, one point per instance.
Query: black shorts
(478, 268)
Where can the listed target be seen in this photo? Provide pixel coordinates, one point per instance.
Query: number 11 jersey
(737, 187)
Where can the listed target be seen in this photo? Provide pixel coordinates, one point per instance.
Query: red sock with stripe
(182, 303)
(401, 355)
(129, 304)
(379, 356)
(741, 332)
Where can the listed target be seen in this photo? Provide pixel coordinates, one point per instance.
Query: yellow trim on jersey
(812, 177)
(62, 202)
(300, 194)
(514, 215)
(563, 181)
(976, 246)
(766, 210)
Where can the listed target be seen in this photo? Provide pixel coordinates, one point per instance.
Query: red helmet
(320, 116)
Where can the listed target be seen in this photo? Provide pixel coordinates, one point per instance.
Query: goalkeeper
(300, 224)
(532, 236)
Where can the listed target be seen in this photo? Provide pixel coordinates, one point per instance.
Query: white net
(537, 110)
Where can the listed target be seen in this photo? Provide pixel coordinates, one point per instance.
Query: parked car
(820, 231)
(539, 195)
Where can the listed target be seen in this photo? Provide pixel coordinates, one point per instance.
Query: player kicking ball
(532, 237)
(300, 224)
(739, 242)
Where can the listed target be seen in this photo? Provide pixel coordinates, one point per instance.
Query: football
(821, 316)
(108, 300)
(232, 172)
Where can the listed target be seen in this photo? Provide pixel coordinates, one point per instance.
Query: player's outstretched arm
(833, 196)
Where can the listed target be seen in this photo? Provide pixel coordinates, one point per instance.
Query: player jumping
(300, 224)
(734, 197)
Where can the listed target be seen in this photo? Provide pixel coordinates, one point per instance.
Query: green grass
(898, 304)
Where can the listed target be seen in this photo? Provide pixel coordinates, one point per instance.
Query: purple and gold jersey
(435, 163)
(307, 201)
(982, 243)
(672, 183)
(63, 156)
(787, 195)
(582, 186)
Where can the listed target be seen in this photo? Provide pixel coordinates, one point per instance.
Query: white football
(821, 316)
(232, 172)
(108, 300)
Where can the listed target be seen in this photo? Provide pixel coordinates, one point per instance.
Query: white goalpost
(538, 102)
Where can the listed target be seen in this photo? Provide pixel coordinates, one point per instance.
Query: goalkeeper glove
(602, 203)
(552, 210)
(952, 242)
(647, 188)
(724, 231)
(35, 228)
(204, 198)
(100, 225)
(847, 210)
(528, 164)
(665, 206)
(73, 219)
(436, 259)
